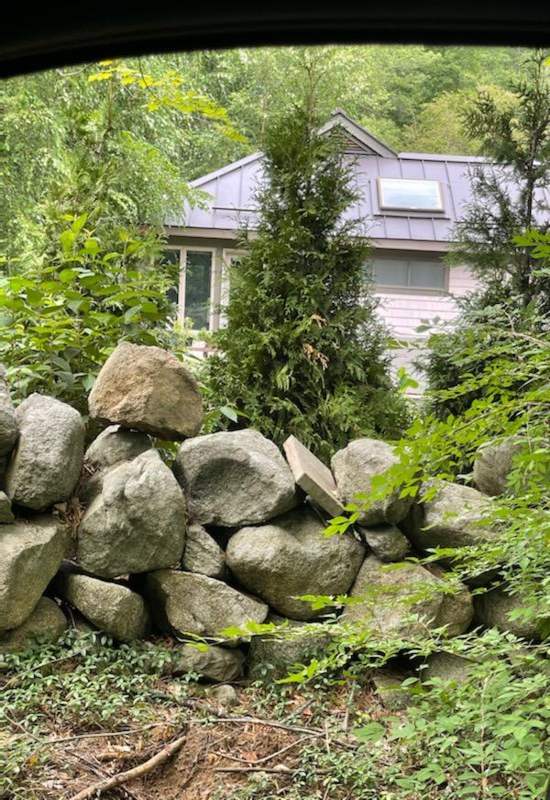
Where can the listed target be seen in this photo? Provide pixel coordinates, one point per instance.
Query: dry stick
(99, 772)
(265, 758)
(281, 770)
(122, 777)
(271, 723)
(104, 734)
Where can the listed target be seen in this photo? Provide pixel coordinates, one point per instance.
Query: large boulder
(45, 465)
(190, 604)
(493, 464)
(452, 518)
(272, 656)
(202, 553)
(234, 478)
(137, 523)
(220, 664)
(30, 555)
(148, 389)
(402, 600)
(386, 542)
(447, 667)
(6, 514)
(355, 466)
(290, 557)
(46, 624)
(495, 609)
(111, 607)
(113, 446)
(8, 423)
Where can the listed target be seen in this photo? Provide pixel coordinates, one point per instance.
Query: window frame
(407, 289)
(227, 254)
(416, 209)
(183, 250)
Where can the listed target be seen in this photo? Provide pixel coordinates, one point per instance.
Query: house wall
(402, 311)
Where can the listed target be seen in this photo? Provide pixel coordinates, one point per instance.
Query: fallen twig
(280, 770)
(122, 777)
(272, 723)
(265, 758)
(103, 734)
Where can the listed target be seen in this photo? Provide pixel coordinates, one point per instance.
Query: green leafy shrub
(67, 307)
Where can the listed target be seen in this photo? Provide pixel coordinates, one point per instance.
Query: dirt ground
(224, 748)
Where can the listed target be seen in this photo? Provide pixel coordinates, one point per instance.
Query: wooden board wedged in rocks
(311, 475)
(137, 523)
(290, 556)
(234, 478)
(148, 389)
(46, 463)
(188, 603)
(30, 555)
(355, 466)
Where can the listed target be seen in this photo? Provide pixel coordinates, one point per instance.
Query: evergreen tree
(303, 351)
(509, 197)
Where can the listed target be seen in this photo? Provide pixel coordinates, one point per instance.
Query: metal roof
(232, 190)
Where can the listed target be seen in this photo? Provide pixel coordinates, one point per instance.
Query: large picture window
(409, 195)
(403, 273)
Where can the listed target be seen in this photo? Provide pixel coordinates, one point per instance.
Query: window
(194, 293)
(402, 273)
(172, 257)
(409, 195)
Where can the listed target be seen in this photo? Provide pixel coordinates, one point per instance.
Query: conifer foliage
(303, 351)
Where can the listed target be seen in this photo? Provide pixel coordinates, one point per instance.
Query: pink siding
(404, 311)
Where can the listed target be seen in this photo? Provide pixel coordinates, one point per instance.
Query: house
(409, 204)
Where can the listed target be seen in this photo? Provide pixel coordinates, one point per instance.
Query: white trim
(210, 176)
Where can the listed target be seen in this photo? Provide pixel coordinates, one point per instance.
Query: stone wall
(231, 534)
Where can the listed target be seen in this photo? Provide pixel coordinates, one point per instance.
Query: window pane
(427, 275)
(198, 273)
(172, 258)
(390, 272)
(410, 195)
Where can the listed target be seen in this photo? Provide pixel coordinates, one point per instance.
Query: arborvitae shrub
(303, 351)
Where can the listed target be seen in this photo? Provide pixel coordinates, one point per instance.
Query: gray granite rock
(45, 624)
(147, 389)
(111, 607)
(6, 514)
(386, 542)
(453, 518)
(191, 604)
(493, 463)
(30, 555)
(493, 609)
(271, 656)
(314, 477)
(390, 594)
(8, 423)
(355, 466)
(291, 557)
(220, 664)
(234, 478)
(202, 553)
(45, 465)
(137, 523)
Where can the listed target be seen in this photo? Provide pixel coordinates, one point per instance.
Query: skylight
(409, 195)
